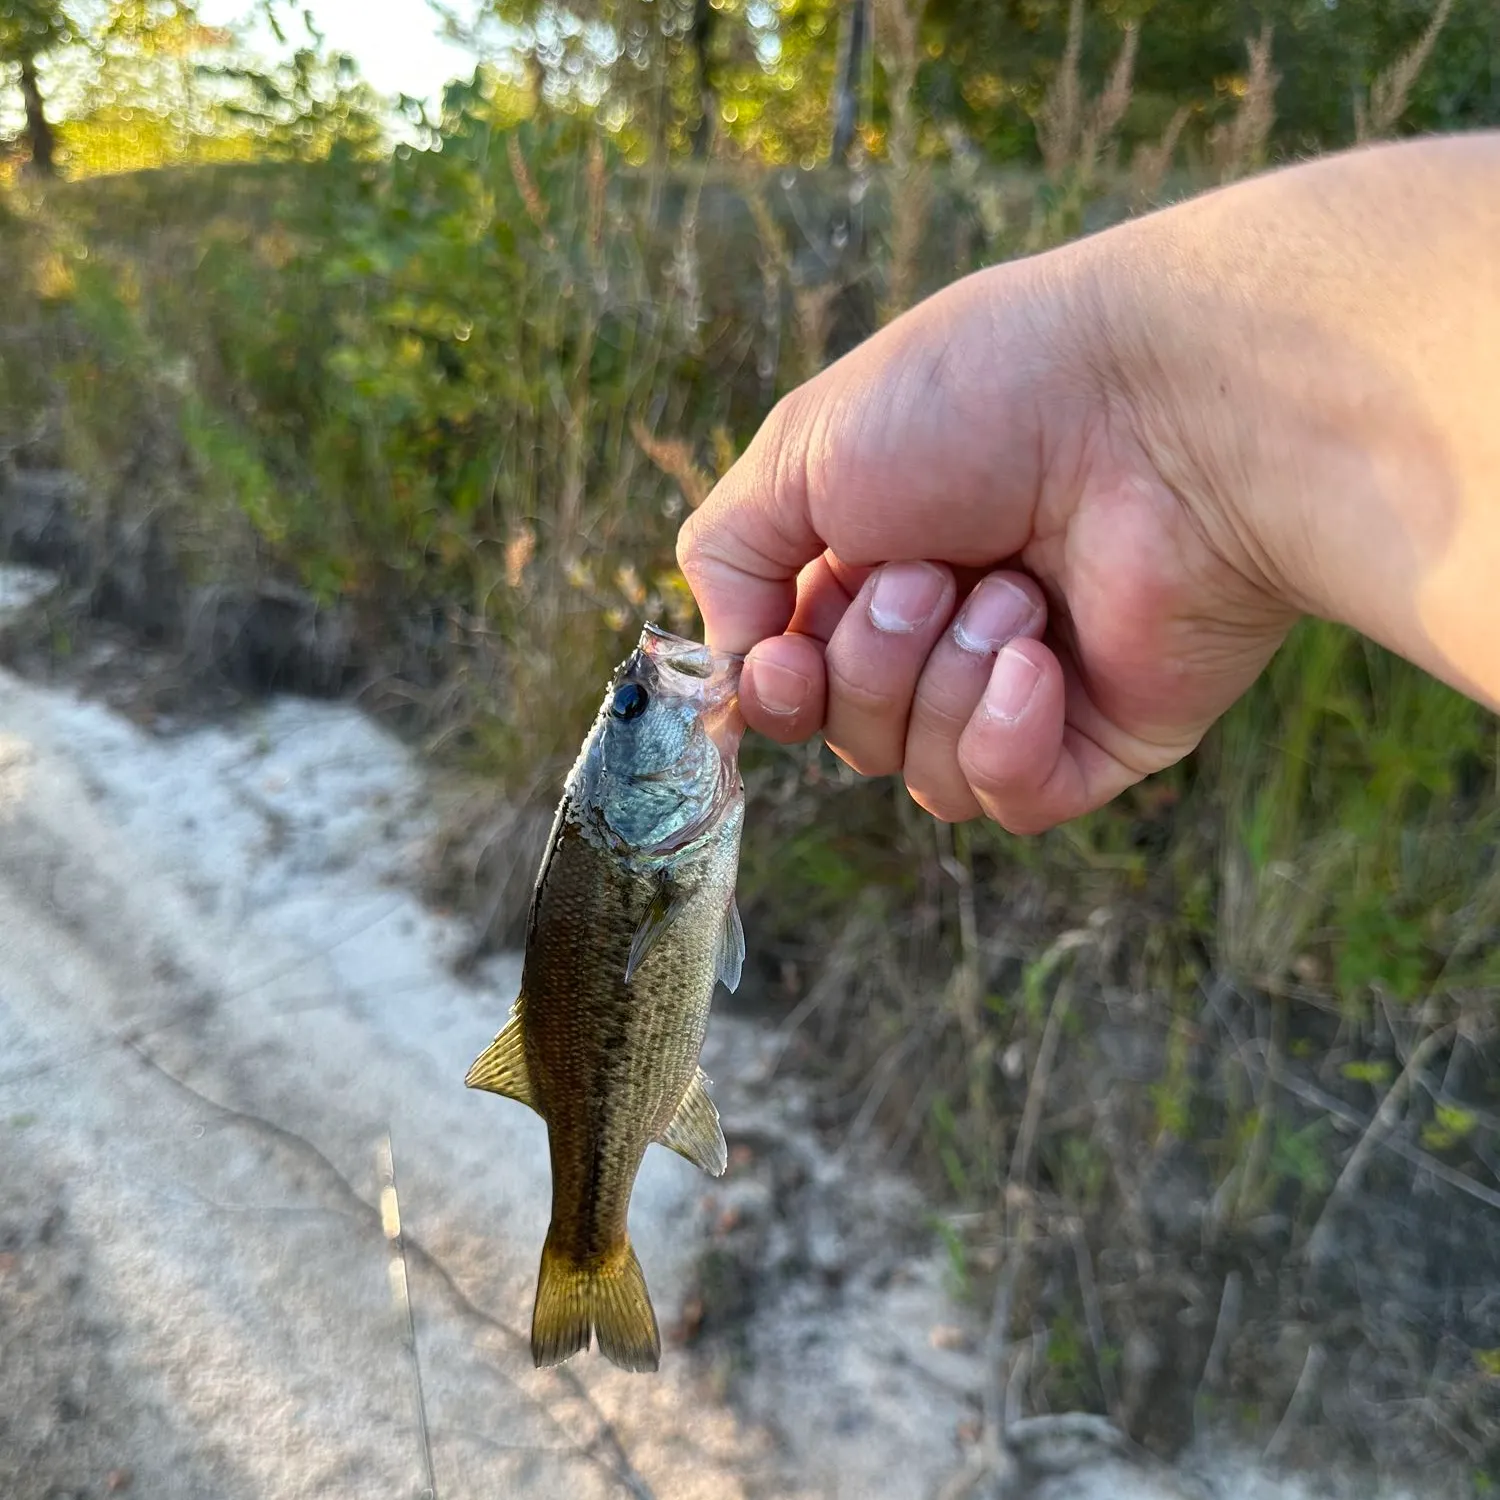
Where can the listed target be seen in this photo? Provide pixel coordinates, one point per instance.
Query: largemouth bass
(632, 923)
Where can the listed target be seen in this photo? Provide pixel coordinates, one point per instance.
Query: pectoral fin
(695, 1131)
(663, 911)
(501, 1067)
(729, 961)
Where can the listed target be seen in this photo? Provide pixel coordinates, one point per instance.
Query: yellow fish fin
(695, 1131)
(611, 1301)
(501, 1067)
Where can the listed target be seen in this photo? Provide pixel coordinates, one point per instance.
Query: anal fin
(695, 1132)
(501, 1067)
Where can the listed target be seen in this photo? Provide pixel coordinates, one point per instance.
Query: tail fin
(610, 1300)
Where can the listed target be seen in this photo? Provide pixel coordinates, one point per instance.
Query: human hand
(953, 554)
(1028, 542)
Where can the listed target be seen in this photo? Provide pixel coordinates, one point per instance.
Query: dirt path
(218, 997)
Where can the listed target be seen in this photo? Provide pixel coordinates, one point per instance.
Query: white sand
(217, 994)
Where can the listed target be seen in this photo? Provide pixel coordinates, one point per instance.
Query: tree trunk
(851, 307)
(38, 132)
(704, 17)
(846, 87)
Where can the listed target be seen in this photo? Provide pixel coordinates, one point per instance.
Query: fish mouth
(719, 671)
(709, 679)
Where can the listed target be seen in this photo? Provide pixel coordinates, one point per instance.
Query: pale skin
(1023, 546)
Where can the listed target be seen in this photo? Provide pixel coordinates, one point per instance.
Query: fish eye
(629, 701)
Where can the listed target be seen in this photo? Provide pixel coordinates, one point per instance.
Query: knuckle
(989, 776)
(689, 546)
(783, 432)
(867, 699)
(700, 539)
(931, 719)
(945, 808)
(1020, 821)
(866, 760)
(998, 765)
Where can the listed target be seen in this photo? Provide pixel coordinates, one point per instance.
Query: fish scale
(632, 924)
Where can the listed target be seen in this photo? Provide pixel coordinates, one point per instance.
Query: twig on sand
(1302, 1395)
(390, 1223)
(604, 1447)
(993, 1459)
(996, 1347)
(1320, 1242)
(1094, 1316)
(1225, 1328)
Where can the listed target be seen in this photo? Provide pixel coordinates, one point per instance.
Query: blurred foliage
(654, 68)
(31, 28)
(467, 387)
(756, 78)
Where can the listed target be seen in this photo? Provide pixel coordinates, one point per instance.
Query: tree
(856, 30)
(702, 33)
(28, 30)
(676, 76)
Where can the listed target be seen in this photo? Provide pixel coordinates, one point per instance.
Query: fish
(633, 923)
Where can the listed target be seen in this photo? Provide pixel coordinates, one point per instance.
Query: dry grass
(1238, 148)
(1076, 134)
(1376, 116)
(1153, 160)
(898, 40)
(674, 457)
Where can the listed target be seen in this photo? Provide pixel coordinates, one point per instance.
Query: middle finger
(874, 659)
(1002, 607)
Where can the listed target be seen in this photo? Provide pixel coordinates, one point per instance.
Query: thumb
(921, 444)
(742, 549)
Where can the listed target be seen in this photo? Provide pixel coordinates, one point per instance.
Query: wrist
(1287, 370)
(1198, 403)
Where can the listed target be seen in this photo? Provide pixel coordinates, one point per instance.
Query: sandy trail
(218, 997)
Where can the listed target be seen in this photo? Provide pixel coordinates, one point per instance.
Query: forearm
(1312, 359)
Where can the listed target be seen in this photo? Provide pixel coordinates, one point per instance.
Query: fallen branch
(1320, 1242)
(1302, 1395)
(1346, 1114)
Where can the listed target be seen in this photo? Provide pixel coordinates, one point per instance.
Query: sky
(396, 42)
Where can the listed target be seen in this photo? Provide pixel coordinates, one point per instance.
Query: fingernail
(1012, 685)
(780, 690)
(996, 612)
(905, 595)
